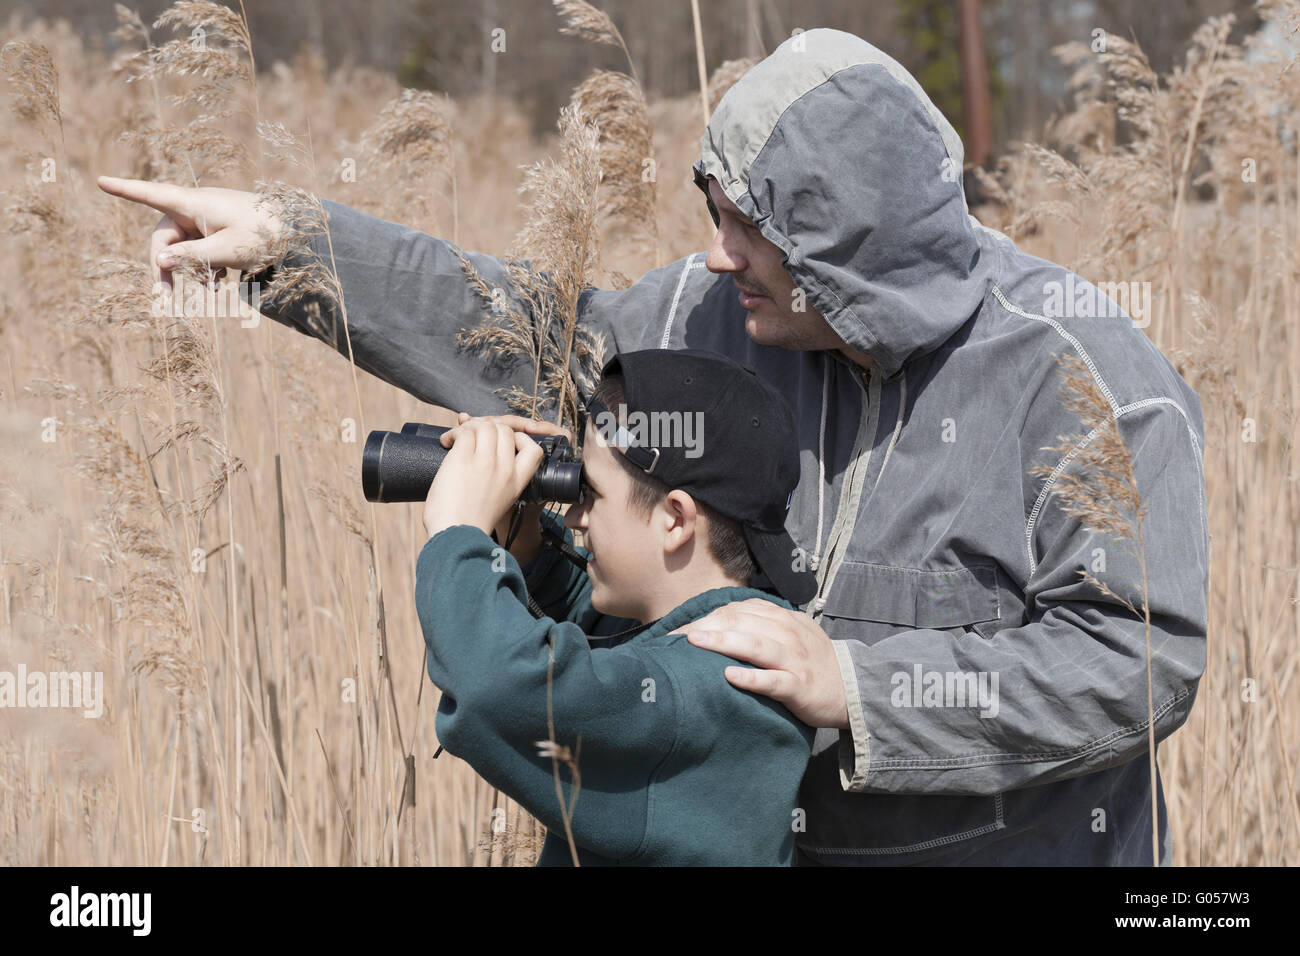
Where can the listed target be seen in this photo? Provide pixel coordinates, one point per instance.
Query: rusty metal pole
(975, 85)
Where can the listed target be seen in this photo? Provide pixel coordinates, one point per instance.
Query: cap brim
(777, 558)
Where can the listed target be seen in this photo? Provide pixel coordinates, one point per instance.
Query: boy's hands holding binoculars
(490, 463)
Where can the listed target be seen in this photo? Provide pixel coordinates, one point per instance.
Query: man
(978, 702)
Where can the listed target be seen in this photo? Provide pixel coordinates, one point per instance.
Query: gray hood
(878, 237)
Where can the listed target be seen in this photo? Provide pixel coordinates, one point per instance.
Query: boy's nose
(573, 518)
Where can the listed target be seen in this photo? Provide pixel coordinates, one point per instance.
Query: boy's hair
(726, 541)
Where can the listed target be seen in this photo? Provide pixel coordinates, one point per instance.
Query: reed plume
(614, 103)
(411, 144)
(561, 242)
(33, 83)
(586, 21)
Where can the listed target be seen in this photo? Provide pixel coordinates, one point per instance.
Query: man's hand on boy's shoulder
(488, 467)
(794, 661)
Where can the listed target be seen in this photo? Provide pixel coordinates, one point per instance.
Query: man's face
(778, 315)
(616, 537)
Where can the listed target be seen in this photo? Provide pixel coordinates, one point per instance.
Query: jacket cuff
(855, 743)
(311, 247)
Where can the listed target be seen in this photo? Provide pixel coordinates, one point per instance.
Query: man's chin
(758, 328)
(762, 331)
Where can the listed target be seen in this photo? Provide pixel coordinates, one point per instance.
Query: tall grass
(195, 530)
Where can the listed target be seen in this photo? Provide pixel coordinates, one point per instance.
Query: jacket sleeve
(1067, 690)
(490, 657)
(405, 297)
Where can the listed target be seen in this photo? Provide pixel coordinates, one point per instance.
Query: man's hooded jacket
(998, 702)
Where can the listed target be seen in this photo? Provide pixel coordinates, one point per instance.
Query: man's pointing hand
(223, 227)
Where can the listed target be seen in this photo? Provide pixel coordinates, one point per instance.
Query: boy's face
(620, 542)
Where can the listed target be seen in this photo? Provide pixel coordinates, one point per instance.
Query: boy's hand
(488, 467)
(527, 544)
(518, 423)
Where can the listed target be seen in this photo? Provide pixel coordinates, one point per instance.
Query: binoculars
(400, 466)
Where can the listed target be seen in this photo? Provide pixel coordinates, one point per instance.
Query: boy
(676, 766)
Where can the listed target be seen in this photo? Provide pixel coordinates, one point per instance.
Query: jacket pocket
(868, 602)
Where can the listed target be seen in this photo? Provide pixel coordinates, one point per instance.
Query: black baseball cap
(744, 461)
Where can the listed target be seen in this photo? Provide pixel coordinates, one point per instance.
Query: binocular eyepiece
(400, 466)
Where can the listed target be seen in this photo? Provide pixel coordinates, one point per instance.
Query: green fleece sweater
(677, 766)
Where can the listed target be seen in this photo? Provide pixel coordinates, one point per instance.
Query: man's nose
(725, 254)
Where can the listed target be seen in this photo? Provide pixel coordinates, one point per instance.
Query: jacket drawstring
(898, 426)
(821, 461)
(815, 562)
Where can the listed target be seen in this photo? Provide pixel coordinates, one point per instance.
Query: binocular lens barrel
(400, 466)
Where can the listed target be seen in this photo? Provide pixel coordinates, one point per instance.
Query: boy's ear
(680, 508)
(669, 515)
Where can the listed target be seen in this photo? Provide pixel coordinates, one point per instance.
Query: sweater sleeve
(501, 670)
